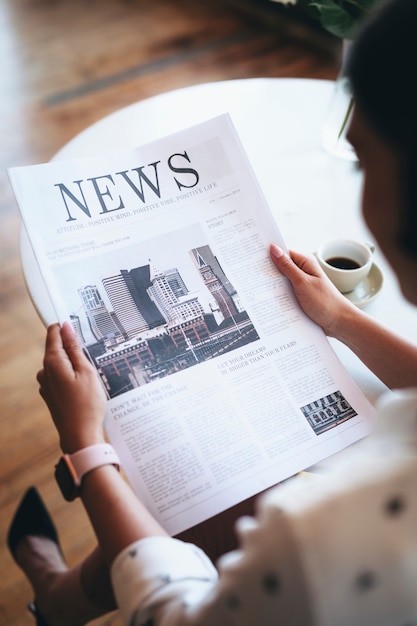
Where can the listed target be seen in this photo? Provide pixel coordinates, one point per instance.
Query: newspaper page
(218, 385)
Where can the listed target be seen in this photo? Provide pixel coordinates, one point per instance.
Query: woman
(340, 549)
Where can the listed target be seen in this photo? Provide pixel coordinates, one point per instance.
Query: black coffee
(343, 263)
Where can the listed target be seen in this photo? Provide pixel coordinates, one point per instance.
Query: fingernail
(276, 251)
(69, 329)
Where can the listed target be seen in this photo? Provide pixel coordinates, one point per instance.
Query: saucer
(368, 288)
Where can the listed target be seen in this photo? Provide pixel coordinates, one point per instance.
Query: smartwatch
(71, 468)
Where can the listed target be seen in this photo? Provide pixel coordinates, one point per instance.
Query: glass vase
(338, 116)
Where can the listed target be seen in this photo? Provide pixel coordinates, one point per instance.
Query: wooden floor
(64, 65)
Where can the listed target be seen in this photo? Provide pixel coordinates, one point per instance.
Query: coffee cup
(346, 262)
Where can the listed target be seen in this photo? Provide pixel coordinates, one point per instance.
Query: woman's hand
(316, 294)
(70, 386)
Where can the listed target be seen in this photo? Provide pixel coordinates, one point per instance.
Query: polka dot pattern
(271, 583)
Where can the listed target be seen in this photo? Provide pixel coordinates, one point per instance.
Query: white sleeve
(165, 582)
(157, 573)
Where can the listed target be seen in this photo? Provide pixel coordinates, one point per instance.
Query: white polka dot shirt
(338, 549)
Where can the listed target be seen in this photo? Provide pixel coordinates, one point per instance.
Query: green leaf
(340, 17)
(334, 18)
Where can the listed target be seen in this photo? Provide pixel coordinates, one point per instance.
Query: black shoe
(31, 518)
(35, 612)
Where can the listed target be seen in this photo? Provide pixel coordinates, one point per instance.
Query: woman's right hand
(70, 386)
(316, 294)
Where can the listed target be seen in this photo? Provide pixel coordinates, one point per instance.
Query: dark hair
(382, 67)
(382, 70)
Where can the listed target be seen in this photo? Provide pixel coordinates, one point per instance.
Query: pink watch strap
(90, 458)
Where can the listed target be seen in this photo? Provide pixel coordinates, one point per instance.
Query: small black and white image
(152, 310)
(328, 412)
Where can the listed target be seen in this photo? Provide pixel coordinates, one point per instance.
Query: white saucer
(368, 289)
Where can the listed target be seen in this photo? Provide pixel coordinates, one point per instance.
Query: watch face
(65, 477)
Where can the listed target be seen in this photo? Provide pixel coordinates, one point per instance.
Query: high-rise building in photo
(100, 321)
(216, 281)
(124, 304)
(138, 280)
(171, 296)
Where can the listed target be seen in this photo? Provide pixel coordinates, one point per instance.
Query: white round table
(312, 194)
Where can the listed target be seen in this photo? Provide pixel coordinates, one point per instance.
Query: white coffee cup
(345, 261)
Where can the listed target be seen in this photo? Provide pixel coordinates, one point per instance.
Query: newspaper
(218, 385)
